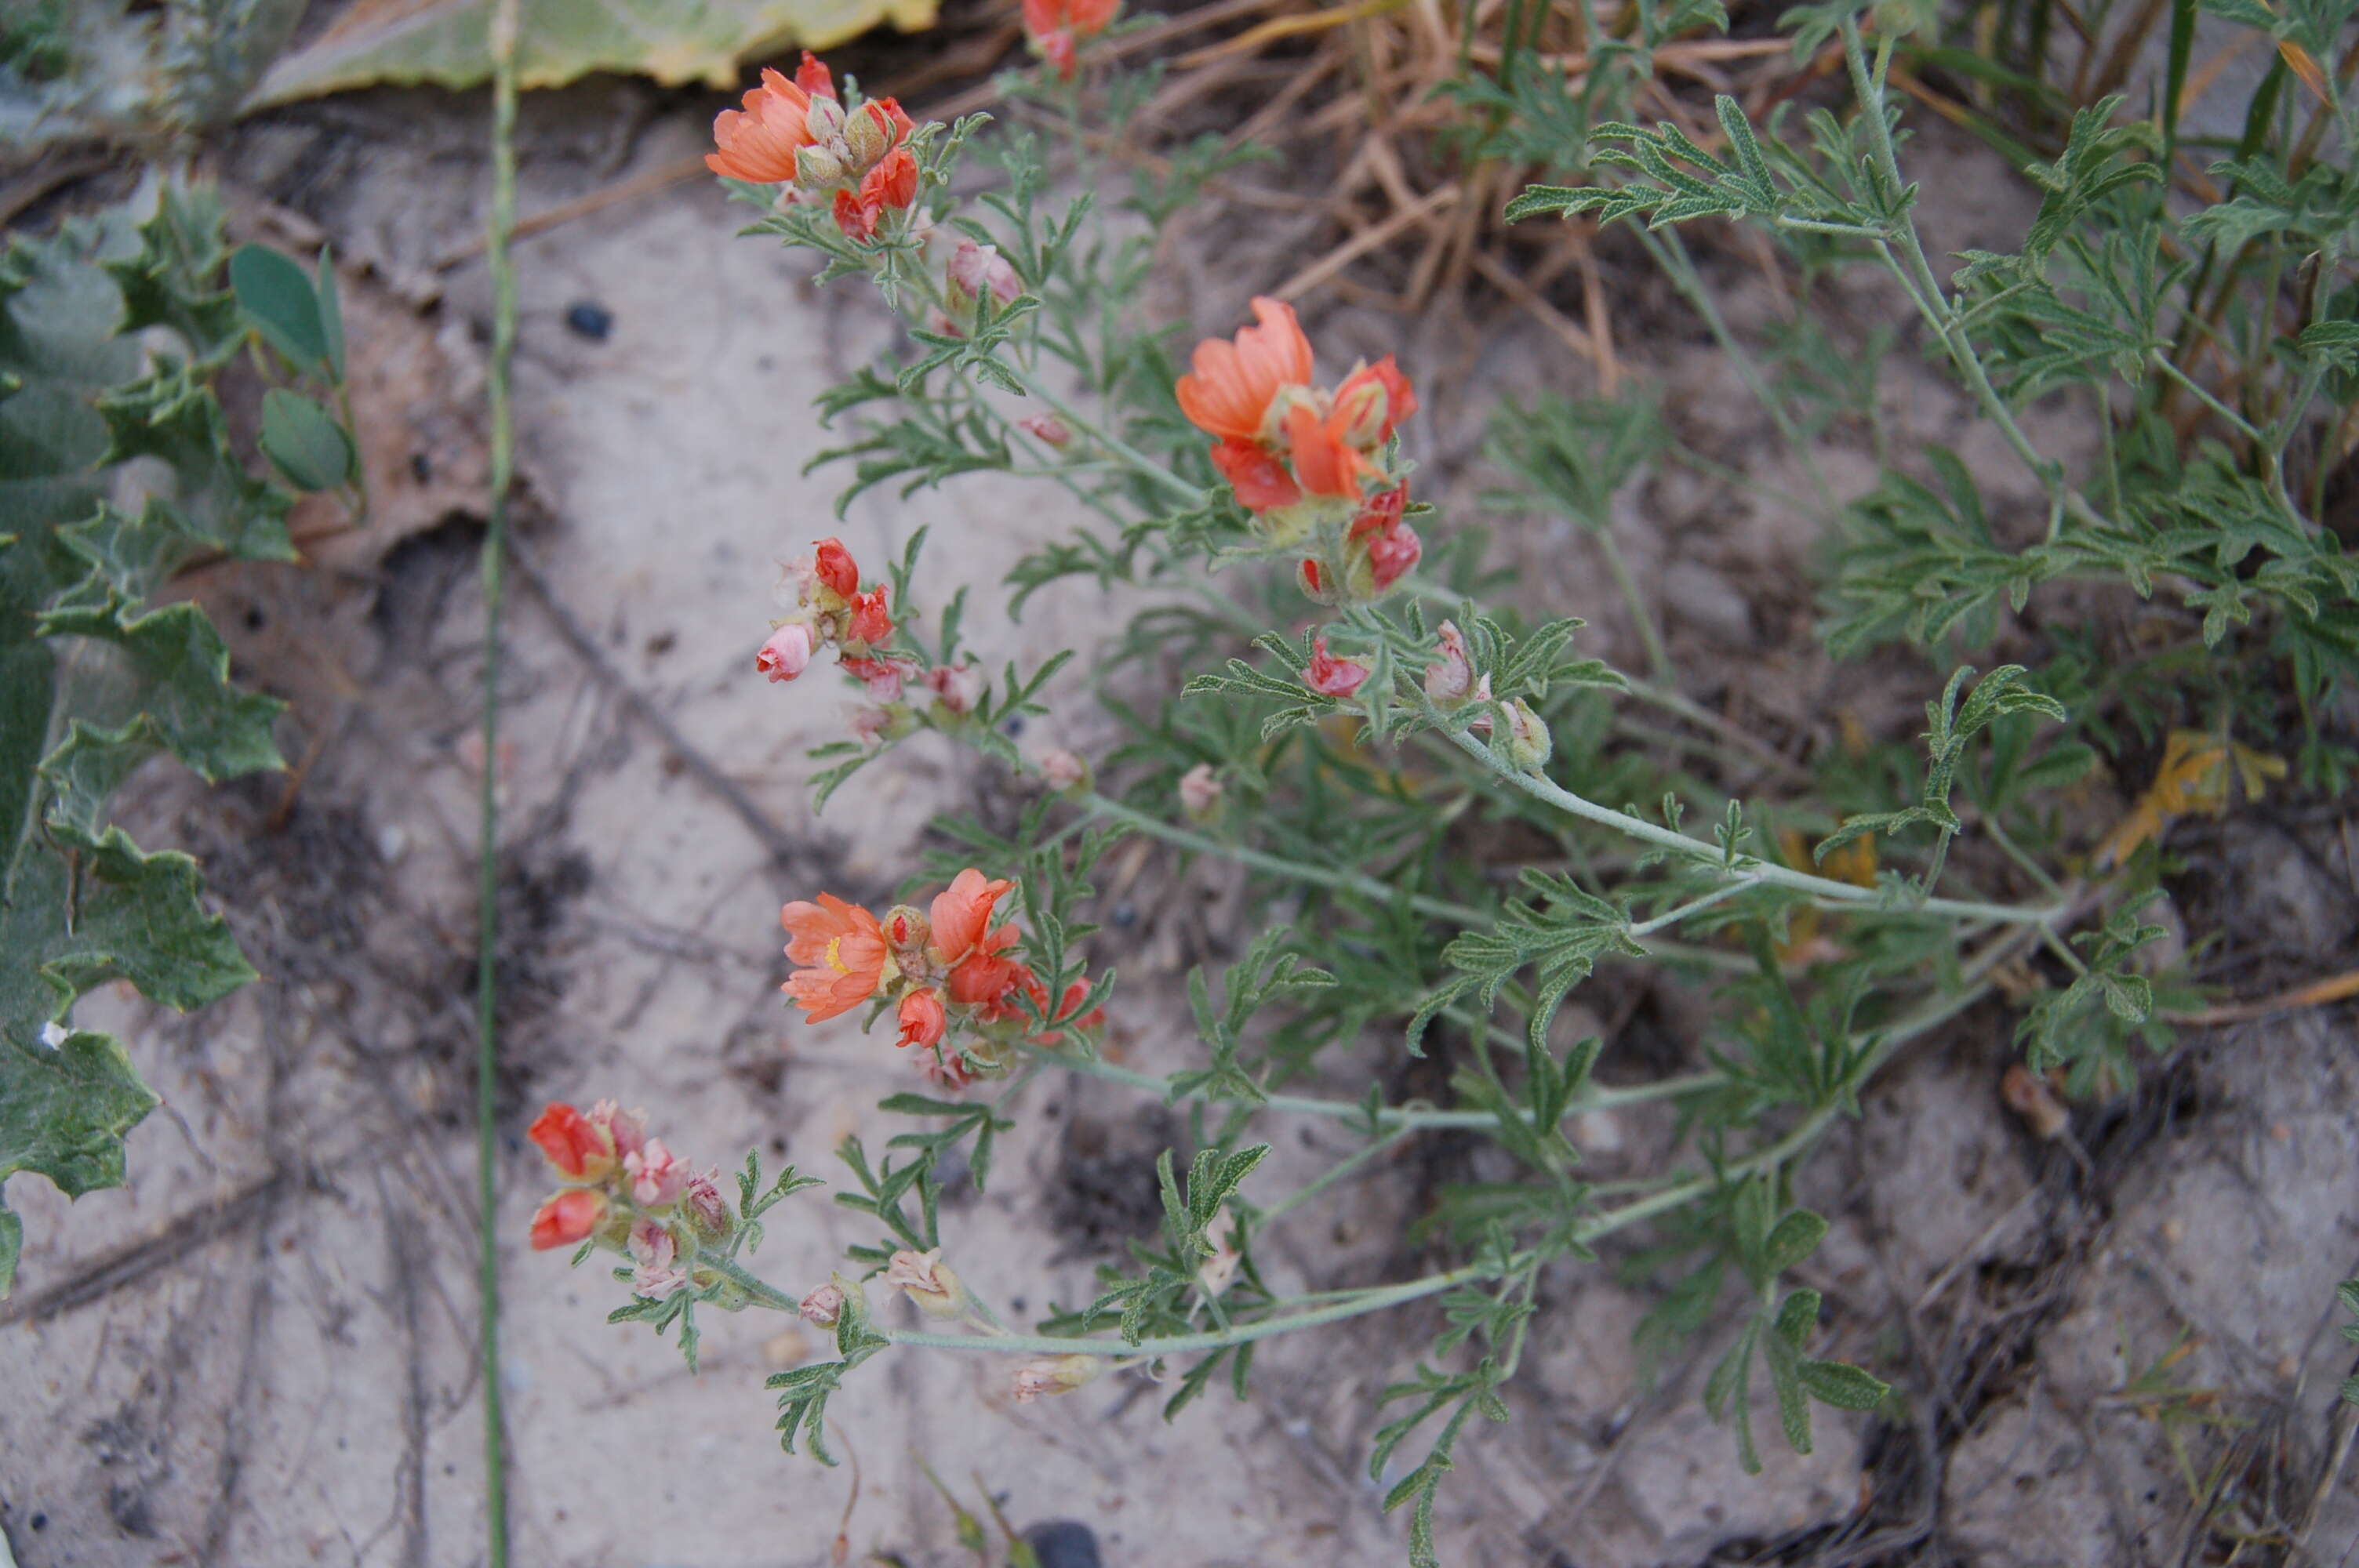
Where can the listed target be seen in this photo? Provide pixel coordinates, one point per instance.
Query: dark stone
(1064, 1543)
(588, 319)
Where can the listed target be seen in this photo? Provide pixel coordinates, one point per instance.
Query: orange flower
(1324, 461)
(870, 622)
(568, 1218)
(922, 1018)
(1056, 26)
(1228, 393)
(760, 143)
(814, 78)
(1084, 18)
(840, 949)
(1260, 481)
(961, 913)
(576, 1145)
(984, 978)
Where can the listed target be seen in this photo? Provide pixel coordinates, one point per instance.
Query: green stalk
(1405, 1117)
(487, 893)
(1366, 886)
(1825, 890)
(1081, 425)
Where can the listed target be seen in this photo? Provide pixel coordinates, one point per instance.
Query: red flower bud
(568, 1218)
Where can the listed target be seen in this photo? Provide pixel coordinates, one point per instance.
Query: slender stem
(1670, 253)
(1380, 1298)
(1082, 424)
(487, 901)
(1410, 1116)
(1377, 1300)
(1651, 636)
(1672, 917)
(1352, 881)
(1335, 1173)
(1823, 889)
(1916, 273)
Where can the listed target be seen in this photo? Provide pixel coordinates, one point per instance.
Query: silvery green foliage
(116, 470)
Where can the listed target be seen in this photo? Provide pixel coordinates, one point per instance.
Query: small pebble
(588, 319)
(1064, 1543)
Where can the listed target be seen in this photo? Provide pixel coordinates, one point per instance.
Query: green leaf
(304, 439)
(1843, 1385)
(1797, 1237)
(331, 316)
(64, 1110)
(278, 298)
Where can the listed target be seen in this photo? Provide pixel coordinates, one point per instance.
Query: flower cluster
(1309, 464)
(1056, 28)
(627, 1193)
(800, 134)
(831, 609)
(947, 972)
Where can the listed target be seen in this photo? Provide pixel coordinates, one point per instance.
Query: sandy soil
(261, 1351)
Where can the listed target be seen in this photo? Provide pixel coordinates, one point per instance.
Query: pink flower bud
(824, 1307)
(658, 1176)
(626, 1129)
(1451, 679)
(657, 1252)
(1047, 427)
(869, 725)
(788, 653)
(707, 1210)
(1199, 791)
(1392, 553)
(960, 687)
(1330, 676)
(881, 677)
(978, 269)
(1062, 771)
(926, 1279)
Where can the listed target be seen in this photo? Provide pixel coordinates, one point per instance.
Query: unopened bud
(824, 1307)
(822, 120)
(926, 1279)
(1449, 680)
(1047, 428)
(1199, 791)
(707, 1210)
(816, 168)
(1056, 1375)
(1062, 771)
(960, 687)
(1527, 740)
(867, 133)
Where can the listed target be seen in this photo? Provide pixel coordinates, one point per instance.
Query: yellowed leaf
(446, 42)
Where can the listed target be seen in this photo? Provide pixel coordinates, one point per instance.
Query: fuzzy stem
(1083, 425)
(1824, 889)
(1402, 1115)
(1353, 882)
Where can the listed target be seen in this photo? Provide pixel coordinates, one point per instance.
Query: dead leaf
(446, 42)
(2193, 777)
